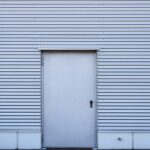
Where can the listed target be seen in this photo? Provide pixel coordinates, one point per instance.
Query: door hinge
(42, 61)
(42, 138)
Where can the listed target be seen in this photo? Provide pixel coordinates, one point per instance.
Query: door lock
(91, 103)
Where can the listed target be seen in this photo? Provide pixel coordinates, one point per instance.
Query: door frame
(42, 87)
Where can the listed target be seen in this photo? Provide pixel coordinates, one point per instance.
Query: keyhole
(91, 103)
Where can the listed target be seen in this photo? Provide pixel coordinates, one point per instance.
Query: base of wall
(106, 140)
(123, 140)
(20, 140)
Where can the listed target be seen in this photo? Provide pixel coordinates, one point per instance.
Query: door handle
(91, 103)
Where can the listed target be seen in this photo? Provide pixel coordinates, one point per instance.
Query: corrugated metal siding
(120, 28)
(20, 71)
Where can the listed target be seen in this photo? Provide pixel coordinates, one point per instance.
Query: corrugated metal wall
(120, 28)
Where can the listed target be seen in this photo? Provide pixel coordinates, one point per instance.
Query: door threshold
(69, 148)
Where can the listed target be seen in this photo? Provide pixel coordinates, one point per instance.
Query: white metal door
(69, 91)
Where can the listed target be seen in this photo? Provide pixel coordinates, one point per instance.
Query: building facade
(104, 53)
